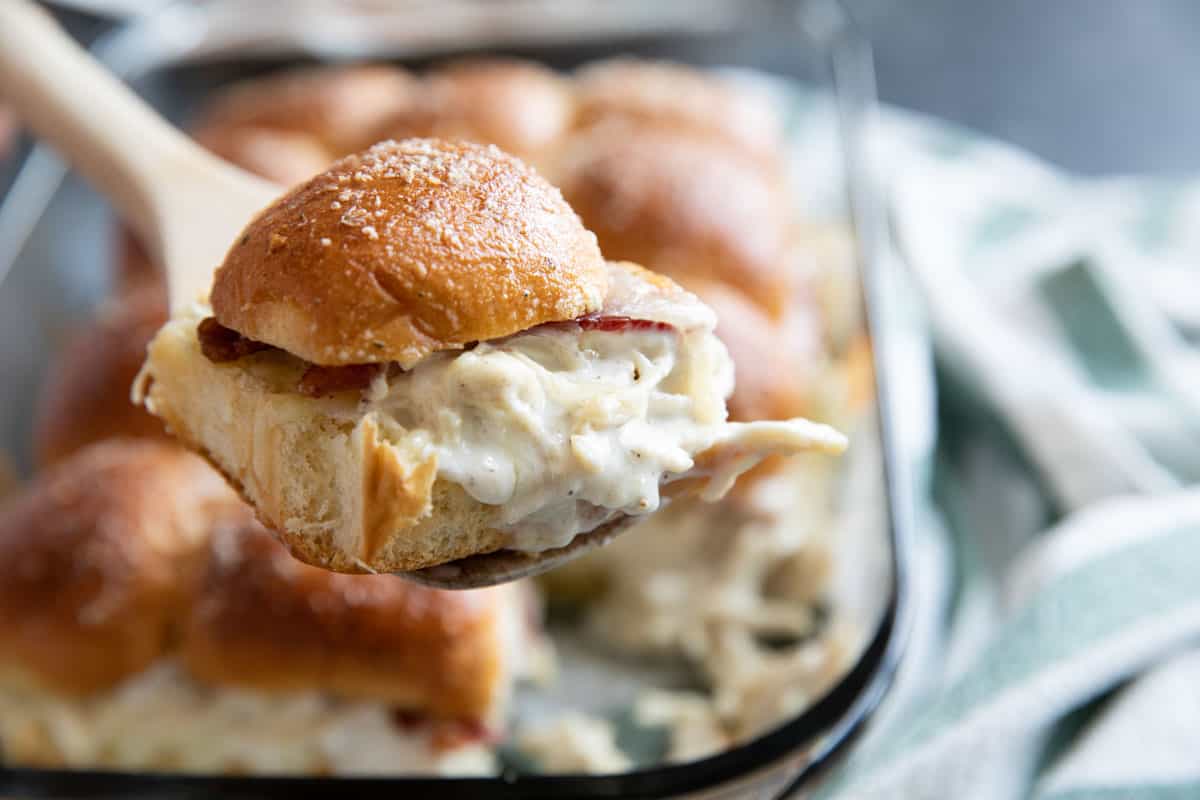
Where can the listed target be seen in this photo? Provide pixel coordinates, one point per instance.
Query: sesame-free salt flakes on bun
(489, 249)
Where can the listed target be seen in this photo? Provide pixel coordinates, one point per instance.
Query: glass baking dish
(177, 55)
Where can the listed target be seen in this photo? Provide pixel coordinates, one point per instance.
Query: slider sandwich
(147, 622)
(675, 168)
(420, 356)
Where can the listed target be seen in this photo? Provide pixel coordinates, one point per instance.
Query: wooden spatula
(186, 204)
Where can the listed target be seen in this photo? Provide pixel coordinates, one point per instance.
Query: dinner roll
(489, 249)
(346, 487)
(520, 106)
(678, 96)
(148, 623)
(340, 107)
(771, 358)
(265, 621)
(86, 396)
(685, 204)
(96, 557)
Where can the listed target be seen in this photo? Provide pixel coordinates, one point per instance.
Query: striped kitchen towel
(1058, 653)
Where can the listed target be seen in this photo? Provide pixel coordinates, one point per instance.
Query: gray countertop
(1097, 86)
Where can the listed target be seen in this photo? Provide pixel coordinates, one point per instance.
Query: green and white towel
(1056, 650)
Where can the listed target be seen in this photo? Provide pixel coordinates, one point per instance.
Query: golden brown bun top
(409, 248)
(267, 621)
(86, 396)
(771, 358)
(132, 551)
(95, 558)
(340, 107)
(674, 95)
(710, 127)
(286, 157)
(520, 106)
(685, 204)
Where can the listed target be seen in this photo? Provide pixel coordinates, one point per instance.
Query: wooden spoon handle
(88, 115)
(186, 204)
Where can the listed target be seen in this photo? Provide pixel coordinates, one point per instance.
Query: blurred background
(1062, 314)
(1095, 86)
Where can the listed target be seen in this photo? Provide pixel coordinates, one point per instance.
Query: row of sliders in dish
(419, 356)
(218, 556)
(148, 622)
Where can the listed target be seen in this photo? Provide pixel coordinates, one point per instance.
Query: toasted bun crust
(266, 621)
(770, 358)
(685, 204)
(406, 249)
(340, 107)
(286, 157)
(86, 397)
(96, 558)
(673, 95)
(521, 107)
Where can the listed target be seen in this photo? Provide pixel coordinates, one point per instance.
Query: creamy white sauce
(162, 719)
(564, 428)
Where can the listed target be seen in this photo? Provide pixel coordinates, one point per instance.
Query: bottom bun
(313, 480)
(162, 720)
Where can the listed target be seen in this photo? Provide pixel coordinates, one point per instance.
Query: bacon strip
(220, 344)
(594, 322)
(610, 323)
(318, 381)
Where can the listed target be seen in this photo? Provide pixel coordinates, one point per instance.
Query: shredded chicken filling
(568, 425)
